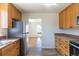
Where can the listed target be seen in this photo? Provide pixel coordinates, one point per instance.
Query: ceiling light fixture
(50, 4)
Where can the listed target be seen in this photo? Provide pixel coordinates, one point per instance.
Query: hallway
(35, 46)
(36, 49)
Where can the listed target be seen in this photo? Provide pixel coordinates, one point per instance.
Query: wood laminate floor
(42, 52)
(36, 49)
(50, 52)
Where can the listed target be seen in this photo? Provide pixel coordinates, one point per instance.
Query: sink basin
(3, 42)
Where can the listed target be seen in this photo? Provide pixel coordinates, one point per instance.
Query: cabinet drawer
(7, 49)
(62, 45)
(65, 53)
(65, 50)
(66, 41)
(11, 49)
(12, 52)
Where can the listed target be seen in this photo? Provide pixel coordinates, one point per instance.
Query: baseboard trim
(33, 37)
(48, 48)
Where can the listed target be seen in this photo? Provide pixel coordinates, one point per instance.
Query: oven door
(74, 50)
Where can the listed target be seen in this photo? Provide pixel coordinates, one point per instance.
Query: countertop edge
(3, 46)
(68, 35)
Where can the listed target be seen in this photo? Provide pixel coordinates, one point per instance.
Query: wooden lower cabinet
(10, 50)
(62, 45)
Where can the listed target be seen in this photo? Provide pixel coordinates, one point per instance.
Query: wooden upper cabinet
(62, 19)
(67, 17)
(74, 14)
(18, 14)
(70, 16)
(15, 12)
(9, 16)
(73, 17)
(76, 8)
(3, 15)
(7, 12)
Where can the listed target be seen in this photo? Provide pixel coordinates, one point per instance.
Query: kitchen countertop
(70, 36)
(6, 42)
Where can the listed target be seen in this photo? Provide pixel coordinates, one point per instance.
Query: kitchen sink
(3, 42)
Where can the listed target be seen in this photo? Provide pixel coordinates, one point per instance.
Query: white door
(34, 27)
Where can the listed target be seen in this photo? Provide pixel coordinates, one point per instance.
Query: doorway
(34, 28)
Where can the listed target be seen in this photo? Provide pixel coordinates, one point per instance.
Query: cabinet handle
(56, 40)
(65, 55)
(66, 47)
(70, 26)
(66, 41)
(61, 27)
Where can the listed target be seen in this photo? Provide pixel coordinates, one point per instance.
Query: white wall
(3, 32)
(49, 27)
(33, 29)
(70, 31)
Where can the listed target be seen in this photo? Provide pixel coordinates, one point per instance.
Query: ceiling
(40, 7)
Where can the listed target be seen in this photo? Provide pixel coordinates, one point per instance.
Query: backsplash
(3, 32)
(70, 31)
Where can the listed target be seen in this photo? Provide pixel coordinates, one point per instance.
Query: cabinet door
(63, 19)
(60, 21)
(74, 14)
(19, 15)
(14, 48)
(67, 18)
(76, 8)
(3, 15)
(16, 13)
(62, 45)
(13, 11)
(6, 50)
(0, 17)
(9, 16)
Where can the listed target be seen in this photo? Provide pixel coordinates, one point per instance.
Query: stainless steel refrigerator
(17, 32)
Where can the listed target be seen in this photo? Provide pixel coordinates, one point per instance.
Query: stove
(74, 48)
